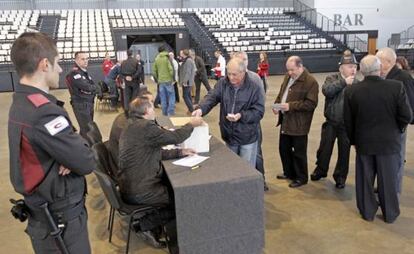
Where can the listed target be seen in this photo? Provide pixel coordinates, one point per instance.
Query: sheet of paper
(199, 140)
(179, 121)
(190, 161)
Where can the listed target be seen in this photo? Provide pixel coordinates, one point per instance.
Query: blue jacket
(248, 100)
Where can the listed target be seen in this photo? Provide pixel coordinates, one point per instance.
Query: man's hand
(188, 151)
(128, 78)
(233, 117)
(197, 113)
(196, 121)
(284, 106)
(349, 80)
(275, 111)
(63, 171)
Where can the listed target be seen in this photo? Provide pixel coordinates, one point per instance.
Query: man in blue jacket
(241, 109)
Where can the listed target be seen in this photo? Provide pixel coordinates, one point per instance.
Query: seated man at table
(141, 176)
(119, 124)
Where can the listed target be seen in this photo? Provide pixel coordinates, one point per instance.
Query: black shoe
(266, 188)
(340, 185)
(316, 176)
(156, 105)
(296, 184)
(151, 239)
(282, 177)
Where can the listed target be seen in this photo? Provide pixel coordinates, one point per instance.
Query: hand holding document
(190, 161)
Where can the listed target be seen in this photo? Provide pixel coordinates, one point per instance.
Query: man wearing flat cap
(333, 128)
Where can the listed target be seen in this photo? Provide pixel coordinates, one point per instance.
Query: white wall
(386, 16)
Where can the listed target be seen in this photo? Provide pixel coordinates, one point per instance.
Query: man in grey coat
(186, 78)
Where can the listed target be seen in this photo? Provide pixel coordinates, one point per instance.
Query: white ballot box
(199, 139)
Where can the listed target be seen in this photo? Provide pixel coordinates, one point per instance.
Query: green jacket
(163, 70)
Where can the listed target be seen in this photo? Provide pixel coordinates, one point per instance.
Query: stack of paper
(190, 161)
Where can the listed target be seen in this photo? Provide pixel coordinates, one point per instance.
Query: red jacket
(107, 66)
(263, 69)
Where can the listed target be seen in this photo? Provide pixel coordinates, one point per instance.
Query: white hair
(370, 66)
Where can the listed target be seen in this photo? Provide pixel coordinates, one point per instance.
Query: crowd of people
(49, 159)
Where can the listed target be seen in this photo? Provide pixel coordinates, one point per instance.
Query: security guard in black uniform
(48, 160)
(82, 92)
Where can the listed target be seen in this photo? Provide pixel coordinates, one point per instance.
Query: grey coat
(187, 72)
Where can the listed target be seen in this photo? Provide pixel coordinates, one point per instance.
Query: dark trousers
(177, 93)
(131, 91)
(187, 98)
(264, 83)
(113, 91)
(385, 168)
(84, 114)
(75, 236)
(292, 150)
(157, 100)
(198, 79)
(329, 133)
(259, 157)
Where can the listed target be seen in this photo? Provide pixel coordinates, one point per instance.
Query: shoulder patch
(57, 125)
(77, 76)
(38, 99)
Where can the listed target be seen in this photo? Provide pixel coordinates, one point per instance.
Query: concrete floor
(316, 218)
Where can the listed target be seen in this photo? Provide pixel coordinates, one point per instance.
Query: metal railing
(327, 25)
(401, 38)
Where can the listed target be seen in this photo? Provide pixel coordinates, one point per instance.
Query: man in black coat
(333, 128)
(389, 70)
(376, 112)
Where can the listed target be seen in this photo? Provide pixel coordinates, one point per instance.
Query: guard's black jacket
(41, 139)
(81, 86)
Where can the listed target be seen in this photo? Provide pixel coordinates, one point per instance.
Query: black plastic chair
(134, 212)
(110, 189)
(103, 96)
(94, 134)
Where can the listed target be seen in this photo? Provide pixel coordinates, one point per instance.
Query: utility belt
(61, 216)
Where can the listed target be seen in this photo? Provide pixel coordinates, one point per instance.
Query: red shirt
(263, 69)
(107, 66)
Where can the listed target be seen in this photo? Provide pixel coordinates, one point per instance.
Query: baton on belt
(55, 232)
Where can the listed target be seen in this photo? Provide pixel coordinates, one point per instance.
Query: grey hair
(241, 55)
(370, 66)
(387, 54)
(242, 67)
(139, 106)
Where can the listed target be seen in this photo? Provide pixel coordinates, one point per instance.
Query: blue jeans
(187, 98)
(247, 152)
(167, 96)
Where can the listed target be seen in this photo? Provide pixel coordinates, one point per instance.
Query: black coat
(140, 169)
(408, 82)
(333, 89)
(41, 139)
(376, 112)
(248, 100)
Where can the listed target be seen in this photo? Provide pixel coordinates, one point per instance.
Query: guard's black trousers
(75, 236)
(84, 114)
(385, 168)
(329, 133)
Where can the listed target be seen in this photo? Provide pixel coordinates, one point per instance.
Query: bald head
(294, 67)
(236, 71)
(370, 66)
(388, 59)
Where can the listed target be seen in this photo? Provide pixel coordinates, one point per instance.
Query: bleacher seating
(234, 29)
(407, 45)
